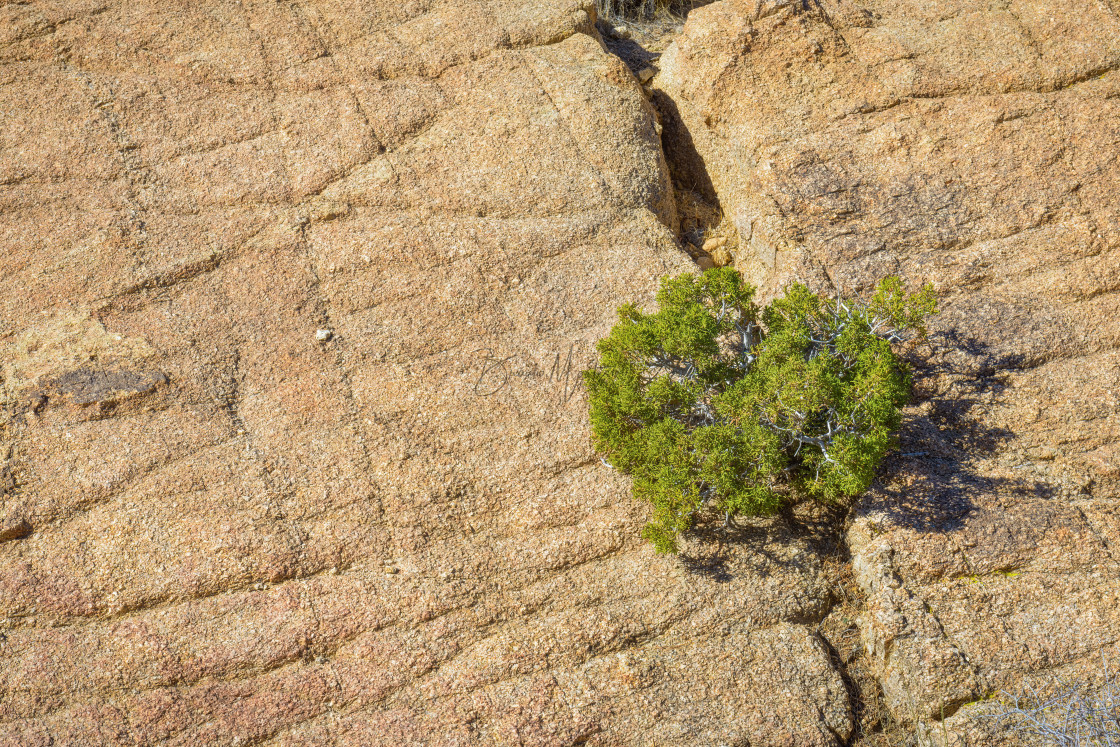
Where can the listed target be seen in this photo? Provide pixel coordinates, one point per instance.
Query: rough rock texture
(219, 525)
(973, 145)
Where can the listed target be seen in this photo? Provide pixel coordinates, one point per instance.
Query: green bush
(713, 405)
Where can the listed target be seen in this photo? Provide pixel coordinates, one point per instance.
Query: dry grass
(646, 10)
(707, 233)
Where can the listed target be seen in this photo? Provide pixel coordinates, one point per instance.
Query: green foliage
(711, 404)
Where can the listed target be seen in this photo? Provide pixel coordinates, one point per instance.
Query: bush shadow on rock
(927, 485)
(813, 526)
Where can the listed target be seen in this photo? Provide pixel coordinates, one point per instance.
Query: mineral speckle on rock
(972, 146)
(215, 528)
(459, 195)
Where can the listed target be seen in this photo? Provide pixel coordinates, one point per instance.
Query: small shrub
(1070, 715)
(713, 404)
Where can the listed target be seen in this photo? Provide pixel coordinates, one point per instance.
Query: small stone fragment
(322, 335)
(14, 530)
(721, 257)
(714, 243)
(645, 75)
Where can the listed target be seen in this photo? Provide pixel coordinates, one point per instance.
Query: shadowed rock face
(220, 525)
(973, 146)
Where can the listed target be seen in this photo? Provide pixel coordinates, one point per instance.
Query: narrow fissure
(711, 240)
(706, 234)
(874, 724)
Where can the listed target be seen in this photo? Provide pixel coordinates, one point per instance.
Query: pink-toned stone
(973, 147)
(242, 532)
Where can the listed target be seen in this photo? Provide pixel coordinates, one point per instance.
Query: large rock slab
(293, 304)
(973, 146)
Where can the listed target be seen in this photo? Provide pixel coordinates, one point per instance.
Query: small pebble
(721, 257)
(323, 335)
(645, 75)
(714, 243)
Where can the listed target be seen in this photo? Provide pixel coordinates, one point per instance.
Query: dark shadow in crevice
(698, 206)
(636, 57)
(686, 165)
(852, 689)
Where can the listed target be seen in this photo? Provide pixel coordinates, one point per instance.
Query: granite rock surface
(973, 146)
(293, 303)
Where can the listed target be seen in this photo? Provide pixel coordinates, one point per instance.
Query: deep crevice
(705, 233)
(835, 624)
